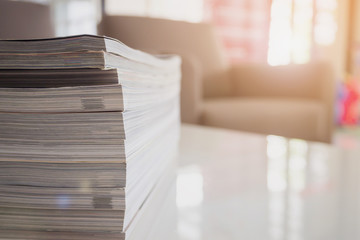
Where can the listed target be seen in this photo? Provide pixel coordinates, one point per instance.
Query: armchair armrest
(191, 89)
(191, 85)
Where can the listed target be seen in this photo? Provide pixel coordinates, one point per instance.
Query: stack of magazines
(89, 131)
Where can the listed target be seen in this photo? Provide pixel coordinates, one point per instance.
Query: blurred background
(273, 32)
(278, 32)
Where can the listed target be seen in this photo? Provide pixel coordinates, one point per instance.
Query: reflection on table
(233, 185)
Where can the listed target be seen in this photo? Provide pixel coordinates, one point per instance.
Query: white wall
(187, 10)
(72, 17)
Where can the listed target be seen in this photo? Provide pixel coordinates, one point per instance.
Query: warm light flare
(280, 33)
(295, 24)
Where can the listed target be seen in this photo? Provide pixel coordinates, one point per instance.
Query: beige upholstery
(296, 115)
(292, 101)
(24, 20)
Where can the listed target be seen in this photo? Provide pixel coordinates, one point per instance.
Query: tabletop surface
(233, 185)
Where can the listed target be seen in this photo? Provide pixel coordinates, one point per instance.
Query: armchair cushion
(290, 118)
(306, 82)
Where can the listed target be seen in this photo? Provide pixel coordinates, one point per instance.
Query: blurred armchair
(292, 101)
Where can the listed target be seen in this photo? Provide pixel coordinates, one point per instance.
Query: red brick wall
(243, 25)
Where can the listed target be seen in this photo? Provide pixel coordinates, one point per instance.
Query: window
(297, 24)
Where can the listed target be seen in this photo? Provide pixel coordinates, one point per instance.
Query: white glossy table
(233, 185)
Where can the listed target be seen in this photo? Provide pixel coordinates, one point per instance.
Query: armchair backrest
(168, 36)
(202, 55)
(25, 20)
(303, 81)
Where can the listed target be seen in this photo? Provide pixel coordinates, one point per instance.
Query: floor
(347, 137)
